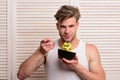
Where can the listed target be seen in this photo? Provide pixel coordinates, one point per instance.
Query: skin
(67, 31)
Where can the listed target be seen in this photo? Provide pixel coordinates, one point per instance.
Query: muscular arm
(95, 72)
(35, 60)
(30, 65)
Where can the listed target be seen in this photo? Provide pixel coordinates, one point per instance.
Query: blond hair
(67, 11)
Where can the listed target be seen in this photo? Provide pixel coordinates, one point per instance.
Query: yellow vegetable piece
(67, 46)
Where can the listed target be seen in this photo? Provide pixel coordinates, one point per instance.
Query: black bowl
(66, 54)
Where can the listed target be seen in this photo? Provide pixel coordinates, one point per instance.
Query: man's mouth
(67, 36)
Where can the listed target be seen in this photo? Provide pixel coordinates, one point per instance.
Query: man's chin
(67, 40)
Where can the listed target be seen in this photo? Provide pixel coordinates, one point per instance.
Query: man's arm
(95, 68)
(35, 60)
(30, 65)
(95, 72)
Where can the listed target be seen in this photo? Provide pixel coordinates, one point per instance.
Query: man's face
(67, 29)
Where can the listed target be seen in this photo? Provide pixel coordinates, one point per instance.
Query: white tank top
(55, 70)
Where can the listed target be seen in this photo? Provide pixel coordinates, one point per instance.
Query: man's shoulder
(91, 47)
(91, 51)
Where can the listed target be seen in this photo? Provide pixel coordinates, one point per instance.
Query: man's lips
(67, 36)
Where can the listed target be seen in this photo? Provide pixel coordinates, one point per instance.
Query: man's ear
(57, 25)
(78, 24)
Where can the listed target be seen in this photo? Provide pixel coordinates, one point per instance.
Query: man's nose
(67, 30)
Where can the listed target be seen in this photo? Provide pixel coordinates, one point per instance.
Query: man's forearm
(87, 75)
(31, 64)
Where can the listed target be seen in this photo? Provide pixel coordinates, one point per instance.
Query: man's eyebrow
(62, 25)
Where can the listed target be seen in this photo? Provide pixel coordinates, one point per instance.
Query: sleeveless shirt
(55, 70)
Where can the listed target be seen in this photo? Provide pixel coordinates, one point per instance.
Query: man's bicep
(95, 66)
(95, 62)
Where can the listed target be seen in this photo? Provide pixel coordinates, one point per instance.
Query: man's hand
(71, 64)
(35, 60)
(46, 45)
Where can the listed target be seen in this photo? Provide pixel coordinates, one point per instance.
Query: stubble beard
(69, 40)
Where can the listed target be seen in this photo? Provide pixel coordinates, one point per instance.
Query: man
(85, 65)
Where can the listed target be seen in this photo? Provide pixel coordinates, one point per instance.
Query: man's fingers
(46, 40)
(46, 45)
(75, 58)
(70, 61)
(66, 61)
(50, 43)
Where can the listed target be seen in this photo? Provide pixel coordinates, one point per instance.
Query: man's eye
(62, 26)
(71, 26)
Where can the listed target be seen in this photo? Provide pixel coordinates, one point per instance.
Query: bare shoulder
(92, 52)
(91, 47)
